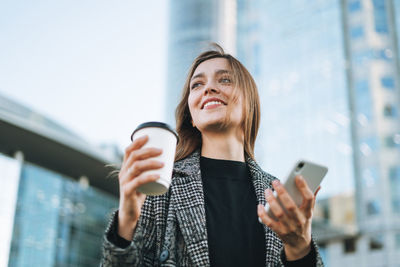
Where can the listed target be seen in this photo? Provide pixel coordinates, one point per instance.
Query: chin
(215, 125)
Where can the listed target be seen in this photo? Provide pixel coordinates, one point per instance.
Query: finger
(316, 191)
(308, 196)
(133, 185)
(142, 154)
(274, 206)
(265, 219)
(315, 196)
(295, 218)
(136, 144)
(140, 166)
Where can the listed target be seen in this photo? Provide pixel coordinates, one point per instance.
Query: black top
(235, 237)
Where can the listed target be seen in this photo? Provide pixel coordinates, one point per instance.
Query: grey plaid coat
(172, 227)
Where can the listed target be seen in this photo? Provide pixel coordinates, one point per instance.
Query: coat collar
(188, 197)
(188, 169)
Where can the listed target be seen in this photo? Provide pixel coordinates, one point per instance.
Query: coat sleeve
(139, 252)
(317, 260)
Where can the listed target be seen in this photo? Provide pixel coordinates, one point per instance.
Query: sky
(96, 67)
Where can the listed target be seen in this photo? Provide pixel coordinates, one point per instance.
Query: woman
(210, 215)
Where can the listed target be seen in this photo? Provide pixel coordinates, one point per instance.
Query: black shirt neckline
(221, 168)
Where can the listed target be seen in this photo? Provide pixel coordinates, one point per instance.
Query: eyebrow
(218, 72)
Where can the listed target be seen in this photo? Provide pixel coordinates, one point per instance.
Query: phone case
(313, 174)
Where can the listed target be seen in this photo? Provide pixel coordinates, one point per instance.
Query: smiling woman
(210, 215)
(225, 80)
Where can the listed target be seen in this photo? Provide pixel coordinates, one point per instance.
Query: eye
(195, 85)
(225, 80)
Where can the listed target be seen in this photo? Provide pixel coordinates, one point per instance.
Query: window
(380, 18)
(354, 6)
(363, 98)
(384, 54)
(390, 111)
(349, 245)
(373, 207)
(387, 82)
(392, 141)
(376, 242)
(394, 176)
(397, 240)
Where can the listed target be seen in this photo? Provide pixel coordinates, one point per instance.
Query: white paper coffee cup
(162, 136)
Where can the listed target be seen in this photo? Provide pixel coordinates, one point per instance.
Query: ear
(193, 124)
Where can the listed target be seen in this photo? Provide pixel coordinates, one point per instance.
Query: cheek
(242, 109)
(191, 104)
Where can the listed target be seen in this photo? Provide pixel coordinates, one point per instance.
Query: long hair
(189, 136)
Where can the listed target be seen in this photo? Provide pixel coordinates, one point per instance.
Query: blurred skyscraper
(55, 196)
(296, 55)
(371, 44)
(328, 77)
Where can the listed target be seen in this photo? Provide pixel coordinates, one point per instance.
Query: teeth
(212, 103)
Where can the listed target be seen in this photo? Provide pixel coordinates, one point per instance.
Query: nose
(211, 88)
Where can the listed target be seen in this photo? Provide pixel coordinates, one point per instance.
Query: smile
(212, 104)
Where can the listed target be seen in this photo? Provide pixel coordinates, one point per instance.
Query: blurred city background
(77, 78)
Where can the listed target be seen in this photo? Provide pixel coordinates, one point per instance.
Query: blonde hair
(189, 136)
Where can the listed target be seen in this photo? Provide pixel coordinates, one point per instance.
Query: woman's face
(211, 89)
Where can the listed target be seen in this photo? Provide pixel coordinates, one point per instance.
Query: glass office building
(295, 52)
(371, 31)
(57, 221)
(328, 78)
(49, 215)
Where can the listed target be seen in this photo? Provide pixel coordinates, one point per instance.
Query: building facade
(296, 55)
(370, 31)
(56, 199)
(328, 78)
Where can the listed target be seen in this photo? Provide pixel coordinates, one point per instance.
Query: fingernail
(269, 194)
(276, 183)
(259, 220)
(266, 207)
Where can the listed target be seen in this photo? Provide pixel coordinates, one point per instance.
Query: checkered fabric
(175, 223)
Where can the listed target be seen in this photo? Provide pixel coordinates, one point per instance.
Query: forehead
(211, 65)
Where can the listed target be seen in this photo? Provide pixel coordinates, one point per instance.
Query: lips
(213, 99)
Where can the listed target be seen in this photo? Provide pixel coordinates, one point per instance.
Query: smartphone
(313, 174)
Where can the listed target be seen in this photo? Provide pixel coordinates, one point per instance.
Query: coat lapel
(188, 198)
(262, 181)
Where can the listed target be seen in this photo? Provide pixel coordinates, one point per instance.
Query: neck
(222, 146)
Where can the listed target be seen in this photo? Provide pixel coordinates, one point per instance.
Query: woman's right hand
(136, 161)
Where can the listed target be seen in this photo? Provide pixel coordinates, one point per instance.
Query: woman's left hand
(293, 225)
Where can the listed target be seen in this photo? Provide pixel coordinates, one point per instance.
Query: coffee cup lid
(155, 124)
